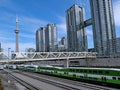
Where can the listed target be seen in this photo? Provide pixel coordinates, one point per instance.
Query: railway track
(58, 84)
(32, 87)
(22, 82)
(25, 84)
(64, 83)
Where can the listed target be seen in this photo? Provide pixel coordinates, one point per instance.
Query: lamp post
(8, 64)
(8, 53)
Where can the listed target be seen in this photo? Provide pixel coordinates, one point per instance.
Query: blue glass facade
(50, 38)
(76, 36)
(103, 27)
(40, 40)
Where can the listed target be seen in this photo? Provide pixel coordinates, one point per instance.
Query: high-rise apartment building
(40, 40)
(64, 42)
(103, 27)
(118, 45)
(62, 45)
(76, 35)
(29, 50)
(50, 38)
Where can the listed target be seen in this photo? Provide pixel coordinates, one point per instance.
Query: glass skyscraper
(76, 35)
(103, 27)
(40, 40)
(50, 38)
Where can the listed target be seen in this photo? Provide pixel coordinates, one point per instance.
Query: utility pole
(8, 66)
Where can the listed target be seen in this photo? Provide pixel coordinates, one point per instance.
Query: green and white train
(104, 76)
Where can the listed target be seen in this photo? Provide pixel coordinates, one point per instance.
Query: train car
(32, 68)
(108, 76)
(20, 67)
(49, 70)
(104, 76)
(10, 66)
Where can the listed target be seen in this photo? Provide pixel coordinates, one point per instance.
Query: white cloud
(117, 12)
(89, 32)
(62, 27)
(33, 20)
(31, 24)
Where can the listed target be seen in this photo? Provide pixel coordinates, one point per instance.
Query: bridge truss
(37, 56)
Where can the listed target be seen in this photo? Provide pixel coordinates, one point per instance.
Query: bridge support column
(67, 62)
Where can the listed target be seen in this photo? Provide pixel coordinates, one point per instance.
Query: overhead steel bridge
(37, 56)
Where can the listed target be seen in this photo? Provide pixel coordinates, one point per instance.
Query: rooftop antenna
(16, 22)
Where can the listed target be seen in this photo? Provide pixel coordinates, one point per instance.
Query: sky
(33, 14)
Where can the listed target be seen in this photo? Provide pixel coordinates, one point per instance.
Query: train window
(106, 72)
(81, 70)
(100, 72)
(74, 75)
(95, 78)
(70, 70)
(114, 78)
(81, 76)
(104, 78)
(77, 70)
(118, 78)
(90, 71)
(85, 71)
(73, 70)
(94, 71)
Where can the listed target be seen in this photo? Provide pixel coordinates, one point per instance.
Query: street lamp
(8, 64)
(8, 53)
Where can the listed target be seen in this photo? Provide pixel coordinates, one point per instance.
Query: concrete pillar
(67, 62)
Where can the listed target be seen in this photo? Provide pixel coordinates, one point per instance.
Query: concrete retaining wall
(98, 62)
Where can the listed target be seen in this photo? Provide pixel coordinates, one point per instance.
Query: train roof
(49, 66)
(115, 69)
(34, 66)
(45, 66)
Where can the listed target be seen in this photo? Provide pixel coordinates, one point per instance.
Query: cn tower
(16, 32)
